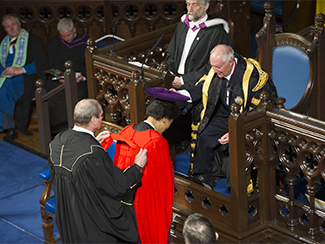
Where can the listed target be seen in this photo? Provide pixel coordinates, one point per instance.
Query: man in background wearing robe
(23, 61)
(68, 45)
(93, 198)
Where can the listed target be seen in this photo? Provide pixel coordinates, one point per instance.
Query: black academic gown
(93, 197)
(58, 53)
(197, 62)
(214, 122)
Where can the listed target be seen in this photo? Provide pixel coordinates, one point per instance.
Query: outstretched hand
(141, 158)
(102, 136)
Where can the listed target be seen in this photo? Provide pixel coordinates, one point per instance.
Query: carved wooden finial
(39, 83)
(91, 45)
(319, 18)
(268, 6)
(279, 102)
(235, 109)
(68, 64)
(264, 96)
(164, 66)
(135, 76)
(91, 42)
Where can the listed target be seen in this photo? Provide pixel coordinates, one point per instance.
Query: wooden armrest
(46, 179)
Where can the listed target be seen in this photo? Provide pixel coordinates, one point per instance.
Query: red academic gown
(154, 196)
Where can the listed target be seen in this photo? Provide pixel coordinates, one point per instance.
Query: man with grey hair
(93, 198)
(232, 78)
(23, 61)
(199, 230)
(188, 57)
(68, 45)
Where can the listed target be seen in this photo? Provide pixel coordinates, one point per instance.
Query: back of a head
(198, 229)
(223, 51)
(84, 110)
(65, 24)
(159, 109)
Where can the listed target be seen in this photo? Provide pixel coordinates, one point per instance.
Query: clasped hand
(13, 71)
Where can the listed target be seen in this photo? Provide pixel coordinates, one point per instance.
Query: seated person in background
(93, 197)
(232, 78)
(68, 45)
(188, 57)
(199, 230)
(23, 60)
(154, 196)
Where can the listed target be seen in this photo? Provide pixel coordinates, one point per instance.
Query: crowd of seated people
(24, 60)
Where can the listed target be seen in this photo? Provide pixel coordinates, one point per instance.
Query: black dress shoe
(205, 178)
(11, 134)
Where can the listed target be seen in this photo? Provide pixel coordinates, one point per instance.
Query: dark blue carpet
(20, 190)
(19, 169)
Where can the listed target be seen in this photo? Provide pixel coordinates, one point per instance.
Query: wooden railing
(118, 84)
(42, 97)
(287, 152)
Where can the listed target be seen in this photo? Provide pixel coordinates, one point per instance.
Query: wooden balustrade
(286, 150)
(42, 97)
(118, 84)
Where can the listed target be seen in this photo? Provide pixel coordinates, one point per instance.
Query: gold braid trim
(205, 91)
(207, 81)
(201, 79)
(256, 101)
(247, 75)
(126, 203)
(263, 78)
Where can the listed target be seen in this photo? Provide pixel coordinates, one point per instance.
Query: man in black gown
(68, 45)
(94, 198)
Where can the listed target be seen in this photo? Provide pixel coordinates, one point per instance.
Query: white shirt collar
(233, 69)
(146, 121)
(80, 129)
(192, 23)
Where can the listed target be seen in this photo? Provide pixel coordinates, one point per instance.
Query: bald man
(214, 93)
(93, 198)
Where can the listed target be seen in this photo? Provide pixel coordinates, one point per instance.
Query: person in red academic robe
(154, 196)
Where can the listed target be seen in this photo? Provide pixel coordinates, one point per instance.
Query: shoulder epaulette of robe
(213, 22)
